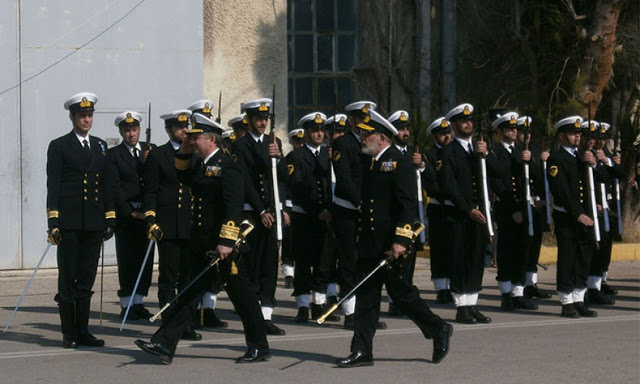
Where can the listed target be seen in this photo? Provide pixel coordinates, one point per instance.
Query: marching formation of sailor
(226, 208)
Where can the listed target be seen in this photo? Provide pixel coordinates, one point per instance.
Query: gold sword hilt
(322, 318)
(154, 317)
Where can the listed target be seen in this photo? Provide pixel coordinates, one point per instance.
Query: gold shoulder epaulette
(229, 231)
(405, 231)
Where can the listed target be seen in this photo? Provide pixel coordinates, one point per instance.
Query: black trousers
(466, 263)
(344, 227)
(77, 256)
(438, 242)
(575, 249)
(131, 246)
(531, 245)
(405, 296)
(174, 268)
(312, 258)
(244, 301)
(511, 259)
(288, 256)
(260, 265)
(602, 255)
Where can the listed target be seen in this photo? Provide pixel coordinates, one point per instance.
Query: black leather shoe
(583, 310)
(394, 311)
(531, 291)
(318, 310)
(288, 282)
(273, 329)
(441, 344)
(607, 289)
(302, 316)
(507, 303)
(254, 355)
(349, 322)
(464, 317)
(156, 349)
(68, 343)
(211, 320)
(88, 340)
(521, 302)
(140, 311)
(356, 359)
(597, 297)
(569, 310)
(191, 335)
(444, 297)
(131, 316)
(473, 310)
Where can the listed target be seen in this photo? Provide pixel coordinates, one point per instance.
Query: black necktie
(511, 149)
(136, 155)
(87, 150)
(469, 149)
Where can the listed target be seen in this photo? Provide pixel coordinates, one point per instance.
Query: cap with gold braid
(312, 119)
(569, 124)
(238, 122)
(399, 119)
(202, 124)
(257, 107)
(507, 120)
(81, 102)
(377, 123)
(440, 124)
(179, 118)
(128, 119)
(296, 133)
(461, 111)
(360, 108)
(202, 107)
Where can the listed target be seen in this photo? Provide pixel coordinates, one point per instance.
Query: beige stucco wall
(245, 54)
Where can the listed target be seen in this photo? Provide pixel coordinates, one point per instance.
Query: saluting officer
(217, 186)
(81, 215)
(465, 222)
(573, 224)
(385, 231)
(438, 231)
(254, 152)
(310, 192)
(507, 182)
(131, 230)
(348, 162)
(167, 209)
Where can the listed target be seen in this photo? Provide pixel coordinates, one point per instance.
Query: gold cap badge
(466, 111)
(84, 103)
(403, 117)
(129, 118)
(183, 117)
(263, 107)
(577, 123)
(342, 122)
(206, 108)
(318, 119)
(513, 120)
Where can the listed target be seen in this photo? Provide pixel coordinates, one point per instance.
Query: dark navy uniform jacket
(309, 184)
(79, 189)
(128, 174)
(348, 162)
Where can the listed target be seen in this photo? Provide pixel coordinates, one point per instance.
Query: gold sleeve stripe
(52, 214)
(405, 232)
(229, 231)
(183, 164)
(110, 215)
(149, 213)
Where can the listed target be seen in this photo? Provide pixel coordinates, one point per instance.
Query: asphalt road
(533, 347)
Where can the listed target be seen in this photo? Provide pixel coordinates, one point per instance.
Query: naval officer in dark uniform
(167, 209)
(438, 232)
(385, 231)
(131, 230)
(310, 191)
(217, 186)
(572, 217)
(254, 152)
(465, 222)
(81, 215)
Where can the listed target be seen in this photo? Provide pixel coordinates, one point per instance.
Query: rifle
(603, 190)
(592, 190)
(617, 185)
(527, 183)
(486, 204)
(219, 104)
(547, 196)
(423, 236)
(277, 207)
(148, 130)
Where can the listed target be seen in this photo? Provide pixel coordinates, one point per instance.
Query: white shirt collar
(400, 148)
(130, 148)
(571, 150)
(508, 147)
(175, 145)
(438, 145)
(356, 135)
(211, 155)
(381, 153)
(312, 149)
(82, 139)
(256, 138)
(464, 143)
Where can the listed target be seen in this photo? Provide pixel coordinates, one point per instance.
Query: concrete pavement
(533, 347)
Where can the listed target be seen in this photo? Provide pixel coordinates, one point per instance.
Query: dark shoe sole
(166, 360)
(257, 360)
(447, 351)
(363, 364)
